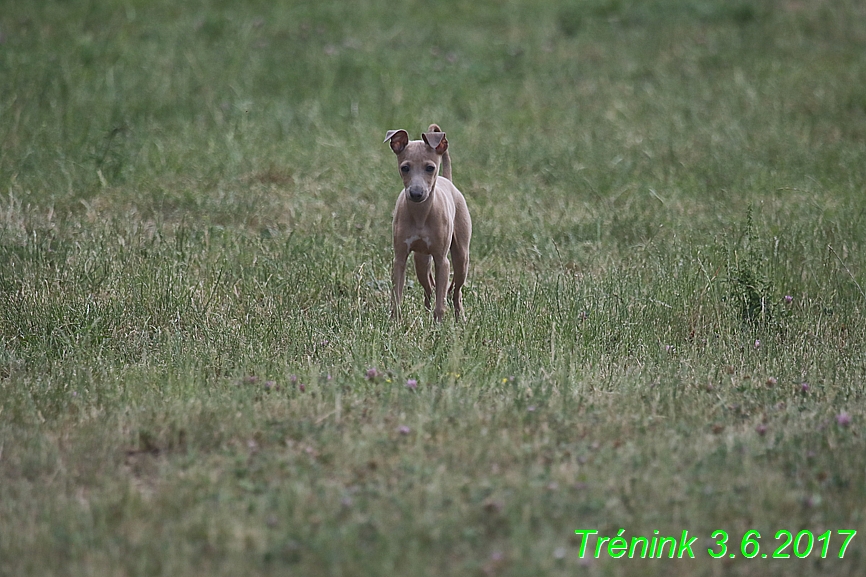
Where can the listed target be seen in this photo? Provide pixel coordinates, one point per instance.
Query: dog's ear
(399, 139)
(436, 140)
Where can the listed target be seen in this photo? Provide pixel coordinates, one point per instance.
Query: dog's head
(418, 160)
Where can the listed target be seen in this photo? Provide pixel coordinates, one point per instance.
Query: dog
(430, 219)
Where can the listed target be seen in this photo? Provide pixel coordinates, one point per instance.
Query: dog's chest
(418, 243)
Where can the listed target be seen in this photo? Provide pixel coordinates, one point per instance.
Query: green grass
(195, 258)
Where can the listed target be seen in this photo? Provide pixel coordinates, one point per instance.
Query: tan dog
(430, 218)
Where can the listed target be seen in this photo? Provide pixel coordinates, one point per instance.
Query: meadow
(665, 327)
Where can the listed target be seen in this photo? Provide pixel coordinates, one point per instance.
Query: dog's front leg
(443, 269)
(423, 268)
(398, 279)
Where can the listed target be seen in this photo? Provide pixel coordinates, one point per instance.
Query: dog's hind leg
(460, 266)
(460, 254)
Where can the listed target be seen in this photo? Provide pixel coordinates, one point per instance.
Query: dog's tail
(446, 158)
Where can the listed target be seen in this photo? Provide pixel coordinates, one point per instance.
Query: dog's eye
(405, 168)
(431, 168)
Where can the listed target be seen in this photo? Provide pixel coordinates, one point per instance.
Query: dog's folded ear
(436, 140)
(399, 139)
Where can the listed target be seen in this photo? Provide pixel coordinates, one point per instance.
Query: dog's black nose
(415, 193)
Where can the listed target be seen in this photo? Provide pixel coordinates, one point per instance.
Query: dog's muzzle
(415, 193)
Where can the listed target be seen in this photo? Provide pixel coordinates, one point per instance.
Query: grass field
(665, 308)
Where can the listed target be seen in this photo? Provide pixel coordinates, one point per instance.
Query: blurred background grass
(195, 220)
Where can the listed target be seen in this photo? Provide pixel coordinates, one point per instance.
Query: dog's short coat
(430, 219)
